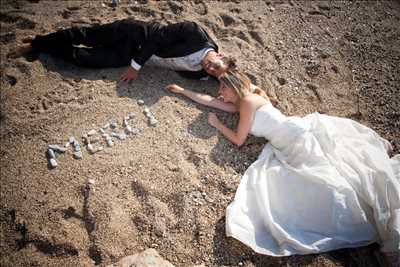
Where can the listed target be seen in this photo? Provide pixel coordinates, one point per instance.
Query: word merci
(92, 139)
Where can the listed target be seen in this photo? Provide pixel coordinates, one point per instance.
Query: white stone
(91, 181)
(101, 130)
(147, 258)
(51, 154)
(71, 140)
(57, 148)
(128, 129)
(136, 131)
(53, 163)
(152, 121)
(105, 126)
(120, 136)
(90, 148)
(94, 139)
(77, 154)
(140, 102)
(77, 147)
(131, 115)
(109, 141)
(91, 132)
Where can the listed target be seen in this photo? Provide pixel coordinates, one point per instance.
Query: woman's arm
(239, 136)
(203, 99)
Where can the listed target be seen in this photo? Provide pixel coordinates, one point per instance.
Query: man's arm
(144, 53)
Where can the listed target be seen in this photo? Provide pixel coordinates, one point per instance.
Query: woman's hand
(173, 88)
(212, 119)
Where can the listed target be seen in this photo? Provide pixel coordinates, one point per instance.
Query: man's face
(213, 64)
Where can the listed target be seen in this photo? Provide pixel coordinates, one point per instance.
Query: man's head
(216, 64)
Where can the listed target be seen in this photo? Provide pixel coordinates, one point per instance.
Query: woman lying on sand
(321, 183)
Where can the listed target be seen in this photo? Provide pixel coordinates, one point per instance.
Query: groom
(184, 47)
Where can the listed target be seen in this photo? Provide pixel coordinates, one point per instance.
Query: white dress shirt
(190, 62)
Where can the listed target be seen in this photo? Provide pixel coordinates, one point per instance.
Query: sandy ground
(168, 187)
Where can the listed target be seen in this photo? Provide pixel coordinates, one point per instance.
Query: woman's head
(234, 85)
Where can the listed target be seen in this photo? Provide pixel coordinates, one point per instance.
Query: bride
(321, 183)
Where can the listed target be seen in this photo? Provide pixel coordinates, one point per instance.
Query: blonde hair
(241, 85)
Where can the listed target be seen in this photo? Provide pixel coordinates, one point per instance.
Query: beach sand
(168, 187)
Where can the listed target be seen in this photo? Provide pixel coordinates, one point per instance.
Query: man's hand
(129, 75)
(174, 88)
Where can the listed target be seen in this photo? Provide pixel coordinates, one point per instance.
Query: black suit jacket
(174, 40)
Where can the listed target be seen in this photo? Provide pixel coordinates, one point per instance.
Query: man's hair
(230, 62)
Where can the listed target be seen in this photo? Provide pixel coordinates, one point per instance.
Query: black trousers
(107, 45)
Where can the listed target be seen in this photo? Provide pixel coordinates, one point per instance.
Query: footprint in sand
(148, 12)
(200, 7)
(175, 7)
(257, 37)
(7, 37)
(11, 80)
(20, 22)
(228, 20)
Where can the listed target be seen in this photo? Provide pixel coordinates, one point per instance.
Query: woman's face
(227, 93)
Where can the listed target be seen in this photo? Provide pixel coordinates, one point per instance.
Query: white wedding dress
(321, 183)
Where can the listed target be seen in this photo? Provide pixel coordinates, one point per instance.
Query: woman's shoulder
(252, 101)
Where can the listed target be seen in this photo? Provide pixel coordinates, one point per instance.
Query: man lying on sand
(184, 47)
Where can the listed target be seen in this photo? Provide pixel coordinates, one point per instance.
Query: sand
(167, 188)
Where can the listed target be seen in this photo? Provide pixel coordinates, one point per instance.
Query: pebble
(71, 140)
(105, 126)
(77, 154)
(91, 181)
(146, 110)
(94, 139)
(51, 154)
(85, 139)
(140, 102)
(131, 115)
(125, 122)
(101, 130)
(77, 148)
(91, 132)
(57, 148)
(113, 125)
(90, 148)
(152, 121)
(120, 136)
(53, 163)
(128, 129)
(109, 141)
(135, 131)
(67, 144)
